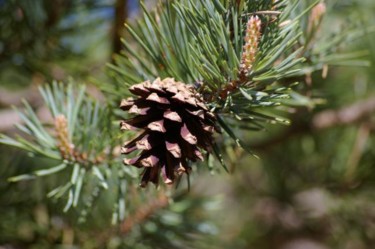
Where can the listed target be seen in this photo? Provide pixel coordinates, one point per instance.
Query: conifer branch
(143, 213)
(121, 14)
(351, 114)
(212, 64)
(344, 116)
(80, 141)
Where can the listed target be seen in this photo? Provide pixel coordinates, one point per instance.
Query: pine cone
(176, 127)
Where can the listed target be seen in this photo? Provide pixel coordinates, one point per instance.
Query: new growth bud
(65, 146)
(250, 48)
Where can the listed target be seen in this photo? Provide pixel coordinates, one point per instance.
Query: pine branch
(327, 119)
(143, 213)
(211, 63)
(9, 118)
(80, 141)
(344, 116)
(240, 63)
(9, 98)
(121, 14)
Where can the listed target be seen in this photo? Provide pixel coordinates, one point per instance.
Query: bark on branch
(344, 116)
(143, 213)
(121, 13)
(324, 120)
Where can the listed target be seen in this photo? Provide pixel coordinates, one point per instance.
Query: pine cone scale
(173, 116)
(174, 149)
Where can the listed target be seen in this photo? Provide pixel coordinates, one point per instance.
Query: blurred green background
(312, 188)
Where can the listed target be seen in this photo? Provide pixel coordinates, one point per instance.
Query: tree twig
(8, 98)
(144, 212)
(8, 119)
(323, 120)
(121, 13)
(344, 116)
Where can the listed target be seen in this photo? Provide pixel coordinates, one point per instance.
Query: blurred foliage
(42, 40)
(311, 189)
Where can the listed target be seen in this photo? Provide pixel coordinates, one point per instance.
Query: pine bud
(65, 146)
(252, 37)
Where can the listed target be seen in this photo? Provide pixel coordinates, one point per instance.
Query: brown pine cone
(177, 127)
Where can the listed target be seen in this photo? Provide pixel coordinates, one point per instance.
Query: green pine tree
(196, 83)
